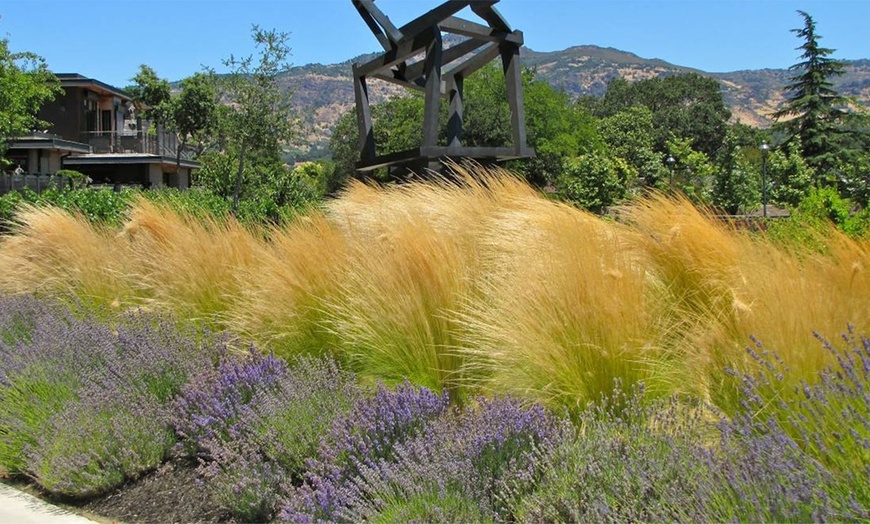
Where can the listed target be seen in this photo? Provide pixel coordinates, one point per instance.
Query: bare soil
(170, 494)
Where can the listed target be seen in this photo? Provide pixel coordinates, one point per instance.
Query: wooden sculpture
(440, 74)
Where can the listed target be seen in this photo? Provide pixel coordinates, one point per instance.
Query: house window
(91, 115)
(106, 121)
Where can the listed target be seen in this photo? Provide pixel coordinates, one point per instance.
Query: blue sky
(108, 39)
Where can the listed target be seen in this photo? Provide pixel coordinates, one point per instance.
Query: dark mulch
(171, 494)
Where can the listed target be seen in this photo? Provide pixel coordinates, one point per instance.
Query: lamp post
(670, 161)
(764, 149)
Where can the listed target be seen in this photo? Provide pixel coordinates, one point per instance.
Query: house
(95, 129)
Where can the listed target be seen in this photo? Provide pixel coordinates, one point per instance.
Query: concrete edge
(23, 508)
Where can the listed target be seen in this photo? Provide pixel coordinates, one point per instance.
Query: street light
(764, 149)
(670, 161)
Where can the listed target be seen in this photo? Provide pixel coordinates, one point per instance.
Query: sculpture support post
(513, 77)
(432, 106)
(454, 120)
(364, 118)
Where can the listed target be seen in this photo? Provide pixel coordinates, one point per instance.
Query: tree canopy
(193, 111)
(152, 94)
(685, 106)
(814, 112)
(260, 119)
(25, 85)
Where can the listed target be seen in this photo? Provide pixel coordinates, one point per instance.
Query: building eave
(77, 80)
(48, 142)
(128, 158)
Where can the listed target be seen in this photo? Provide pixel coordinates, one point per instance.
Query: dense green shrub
(98, 205)
(106, 206)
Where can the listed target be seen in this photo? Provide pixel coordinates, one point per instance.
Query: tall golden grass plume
(795, 293)
(562, 314)
(404, 278)
(471, 192)
(696, 290)
(52, 250)
(282, 304)
(187, 264)
(472, 282)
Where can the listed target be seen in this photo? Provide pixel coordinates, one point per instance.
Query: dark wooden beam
(433, 17)
(455, 115)
(373, 25)
(432, 99)
(459, 26)
(394, 78)
(415, 70)
(469, 66)
(513, 77)
(441, 72)
(400, 53)
(490, 14)
(364, 119)
(374, 12)
(499, 154)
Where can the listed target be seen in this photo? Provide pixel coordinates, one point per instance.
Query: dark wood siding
(66, 114)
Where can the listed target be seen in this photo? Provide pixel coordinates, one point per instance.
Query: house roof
(126, 158)
(47, 141)
(77, 80)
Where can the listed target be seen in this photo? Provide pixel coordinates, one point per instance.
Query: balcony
(133, 142)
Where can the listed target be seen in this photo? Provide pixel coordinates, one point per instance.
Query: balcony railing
(131, 142)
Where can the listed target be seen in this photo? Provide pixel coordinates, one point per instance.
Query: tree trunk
(238, 189)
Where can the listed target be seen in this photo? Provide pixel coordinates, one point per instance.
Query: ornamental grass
(474, 284)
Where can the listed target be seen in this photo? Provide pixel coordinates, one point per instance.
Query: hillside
(322, 93)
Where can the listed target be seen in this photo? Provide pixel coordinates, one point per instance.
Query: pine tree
(814, 112)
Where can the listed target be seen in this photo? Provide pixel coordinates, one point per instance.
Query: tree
(397, 124)
(152, 94)
(260, 118)
(735, 185)
(25, 85)
(344, 150)
(592, 181)
(629, 136)
(790, 176)
(694, 171)
(683, 106)
(813, 112)
(193, 111)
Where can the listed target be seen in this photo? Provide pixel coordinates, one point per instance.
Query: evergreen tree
(814, 112)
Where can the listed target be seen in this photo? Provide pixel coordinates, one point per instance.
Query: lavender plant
(40, 370)
(661, 462)
(92, 447)
(470, 465)
(367, 436)
(758, 474)
(825, 425)
(254, 421)
(624, 461)
(85, 404)
(209, 410)
(244, 480)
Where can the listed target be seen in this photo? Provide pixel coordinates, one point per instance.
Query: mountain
(322, 93)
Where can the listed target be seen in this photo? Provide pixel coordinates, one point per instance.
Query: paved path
(17, 507)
